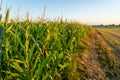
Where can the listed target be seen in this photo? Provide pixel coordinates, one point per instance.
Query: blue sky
(85, 11)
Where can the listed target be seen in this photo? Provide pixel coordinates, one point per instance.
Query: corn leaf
(17, 66)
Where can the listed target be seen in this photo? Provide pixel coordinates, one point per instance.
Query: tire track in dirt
(115, 50)
(118, 37)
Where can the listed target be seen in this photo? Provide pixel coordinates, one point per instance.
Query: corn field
(37, 50)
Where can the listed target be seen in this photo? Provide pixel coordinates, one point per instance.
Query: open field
(112, 37)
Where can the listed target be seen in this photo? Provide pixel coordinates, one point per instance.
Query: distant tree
(113, 25)
(119, 25)
(101, 25)
(106, 25)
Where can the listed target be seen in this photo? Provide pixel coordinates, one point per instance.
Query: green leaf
(18, 61)
(31, 51)
(35, 63)
(16, 66)
(63, 66)
(59, 58)
(14, 75)
(8, 29)
(46, 76)
(20, 41)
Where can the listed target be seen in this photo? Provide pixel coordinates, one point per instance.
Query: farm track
(113, 47)
(113, 35)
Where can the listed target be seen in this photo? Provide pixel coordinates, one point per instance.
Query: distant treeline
(110, 25)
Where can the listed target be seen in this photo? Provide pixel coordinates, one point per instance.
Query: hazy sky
(85, 11)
